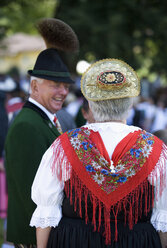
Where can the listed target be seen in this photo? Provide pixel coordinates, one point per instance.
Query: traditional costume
(102, 177)
(33, 131)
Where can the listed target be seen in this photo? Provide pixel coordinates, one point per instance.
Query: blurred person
(4, 86)
(159, 120)
(150, 111)
(14, 102)
(159, 215)
(144, 113)
(3, 191)
(131, 114)
(6, 83)
(98, 178)
(74, 106)
(66, 120)
(3, 121)
(84, 115)
(139, 112)
(86, 112)
(35, 127)
(25, 84)
(145, 87)
(3, 133)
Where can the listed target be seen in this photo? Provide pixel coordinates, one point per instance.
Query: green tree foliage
(132, 30)
(21, 15)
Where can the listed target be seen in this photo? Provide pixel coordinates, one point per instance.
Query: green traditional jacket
(29, 136)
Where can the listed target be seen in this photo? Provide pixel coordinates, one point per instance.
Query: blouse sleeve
(159, 214)
(47, 193)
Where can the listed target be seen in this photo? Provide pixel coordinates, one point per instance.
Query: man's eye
(55, 86)
(66, 86)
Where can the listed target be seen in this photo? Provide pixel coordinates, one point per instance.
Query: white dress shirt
(49, 114)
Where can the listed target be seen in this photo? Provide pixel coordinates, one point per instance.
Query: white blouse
(159, 215)
(47, 190)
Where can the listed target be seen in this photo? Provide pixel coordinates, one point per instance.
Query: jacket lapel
(52, 127)
(43, 115)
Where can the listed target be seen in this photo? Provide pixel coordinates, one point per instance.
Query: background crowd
(142, 48)
(149, 112)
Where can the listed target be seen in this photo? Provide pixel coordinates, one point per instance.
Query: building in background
(19, 50)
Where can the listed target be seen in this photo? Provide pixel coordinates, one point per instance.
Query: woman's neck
(119, 121)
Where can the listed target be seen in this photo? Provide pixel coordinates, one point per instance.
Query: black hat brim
(51, 77)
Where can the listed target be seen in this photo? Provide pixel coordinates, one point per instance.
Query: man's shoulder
(27, 120)
(27, 115)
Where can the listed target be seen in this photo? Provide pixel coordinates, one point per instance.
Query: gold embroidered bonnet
(109, 79)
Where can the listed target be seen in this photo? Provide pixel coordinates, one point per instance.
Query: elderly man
(31, 133)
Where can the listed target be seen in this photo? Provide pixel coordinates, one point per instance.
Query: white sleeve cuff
(49, 216)
(159, 220)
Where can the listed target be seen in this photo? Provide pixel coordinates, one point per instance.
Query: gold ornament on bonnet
(109, 79)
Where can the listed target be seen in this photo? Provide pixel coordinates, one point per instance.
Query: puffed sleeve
(47, 193)
(159, 214)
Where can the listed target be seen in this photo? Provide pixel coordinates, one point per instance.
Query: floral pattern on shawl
(99, 168)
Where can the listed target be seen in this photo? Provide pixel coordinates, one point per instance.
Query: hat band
(51, 73)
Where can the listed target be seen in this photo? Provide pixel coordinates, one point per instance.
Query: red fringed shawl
(111, 185)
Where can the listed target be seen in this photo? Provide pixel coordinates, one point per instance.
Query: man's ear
(34, 87)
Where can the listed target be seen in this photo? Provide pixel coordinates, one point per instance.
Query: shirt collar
(50, 115)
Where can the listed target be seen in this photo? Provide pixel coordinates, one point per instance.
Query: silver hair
(39, 80)
(107, 110)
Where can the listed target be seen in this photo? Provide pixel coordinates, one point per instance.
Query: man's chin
(57, 108)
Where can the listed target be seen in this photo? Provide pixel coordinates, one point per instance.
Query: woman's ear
(89, 104)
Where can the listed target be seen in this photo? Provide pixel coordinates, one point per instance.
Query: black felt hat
(50, 66)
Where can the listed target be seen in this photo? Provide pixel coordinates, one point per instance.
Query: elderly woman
(94, 186)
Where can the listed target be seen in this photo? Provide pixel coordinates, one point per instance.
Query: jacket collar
(44, 116)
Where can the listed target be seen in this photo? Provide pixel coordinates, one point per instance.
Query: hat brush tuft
(57, 34)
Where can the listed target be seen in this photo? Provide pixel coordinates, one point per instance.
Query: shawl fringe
(132, 203)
